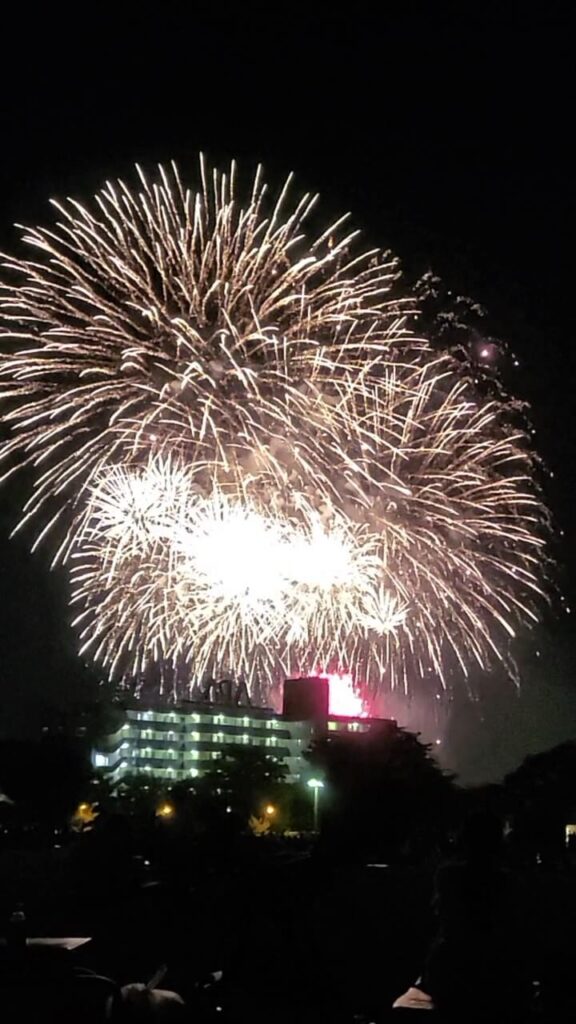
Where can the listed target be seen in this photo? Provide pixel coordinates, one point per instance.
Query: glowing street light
(315, 785)
(270, 810)
(84, 816)
(165, 811)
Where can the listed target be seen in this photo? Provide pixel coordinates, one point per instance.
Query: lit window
(195, 735)
(246, 721)
(332, 726)
(100, 760)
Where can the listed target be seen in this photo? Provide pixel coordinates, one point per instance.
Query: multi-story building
(184, 740)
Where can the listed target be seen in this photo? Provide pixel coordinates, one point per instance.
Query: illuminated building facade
(185, 740)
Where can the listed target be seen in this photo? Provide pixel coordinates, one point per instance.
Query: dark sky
(444, 128)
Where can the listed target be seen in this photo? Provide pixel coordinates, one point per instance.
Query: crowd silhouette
(454, 907)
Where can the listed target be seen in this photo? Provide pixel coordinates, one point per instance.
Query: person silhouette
(478, 965)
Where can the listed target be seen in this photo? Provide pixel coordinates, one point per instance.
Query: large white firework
(220, 582)
(249, 460)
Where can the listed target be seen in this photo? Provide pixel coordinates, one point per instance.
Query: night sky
(443, 128)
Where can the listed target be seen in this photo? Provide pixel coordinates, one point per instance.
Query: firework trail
(245, 455)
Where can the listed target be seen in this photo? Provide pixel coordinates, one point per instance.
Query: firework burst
(249, 460)
(217, 582)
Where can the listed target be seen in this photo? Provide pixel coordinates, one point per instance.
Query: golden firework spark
(256, 463)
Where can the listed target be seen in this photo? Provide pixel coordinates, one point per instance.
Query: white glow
(315, 784)
(239, 553)
(225, 566)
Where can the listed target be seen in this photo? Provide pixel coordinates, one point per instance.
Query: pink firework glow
(345, 700)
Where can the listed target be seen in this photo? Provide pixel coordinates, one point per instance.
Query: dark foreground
(297, 937)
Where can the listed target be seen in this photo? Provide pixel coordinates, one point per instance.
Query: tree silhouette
(45, 780)
(244, 779)
(541, 797)
(385, 797)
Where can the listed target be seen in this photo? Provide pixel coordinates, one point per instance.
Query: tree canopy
(385, 796)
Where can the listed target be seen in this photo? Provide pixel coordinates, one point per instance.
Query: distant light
(165, 810)
(315, 783)
(270, 809)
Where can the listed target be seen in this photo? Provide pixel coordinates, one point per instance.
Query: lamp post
(316, 785)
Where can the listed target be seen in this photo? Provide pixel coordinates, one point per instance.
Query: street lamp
(165, 811)
(270, 810)
(316, 785)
